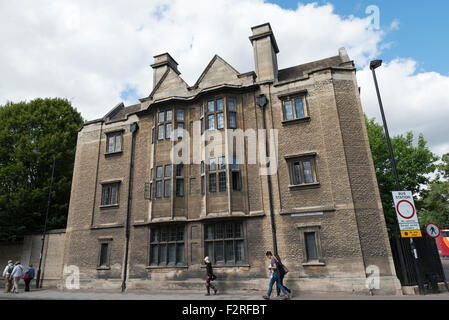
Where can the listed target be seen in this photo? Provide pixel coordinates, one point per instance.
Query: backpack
(26, 276)
(10, 269)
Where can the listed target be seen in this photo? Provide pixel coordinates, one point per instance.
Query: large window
(167, 246)
(114, 142)
(225, 243)
(217, 173)
(164, 127)
(103, 259)
(110, 194)
(180, 123)
(294, 108)
(163, 180)
(235, 175)
(215, 114)
(180, 180)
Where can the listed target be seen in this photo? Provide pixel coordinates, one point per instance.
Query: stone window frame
(104, 241)
(114, 134)
(155, 179)
(291, 96)
(243, 238)
(107, 184)
(316, 229)
(160, 243)
(180, 134)
(291, 159)
(217, 172)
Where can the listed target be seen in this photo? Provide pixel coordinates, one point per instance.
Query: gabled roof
(226, 71)
(170, 84)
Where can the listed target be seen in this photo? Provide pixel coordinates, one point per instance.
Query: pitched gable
(171, 84)
(217, 72)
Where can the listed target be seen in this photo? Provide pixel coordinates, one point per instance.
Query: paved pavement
(53, 294)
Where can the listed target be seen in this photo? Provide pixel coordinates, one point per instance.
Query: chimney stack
(265, 52)
(161, 64)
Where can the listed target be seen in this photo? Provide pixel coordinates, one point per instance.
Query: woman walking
(282, 272)
(28, 276)
(209, 276)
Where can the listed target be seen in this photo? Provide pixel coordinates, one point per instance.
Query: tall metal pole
(398, 184)
(38, 278)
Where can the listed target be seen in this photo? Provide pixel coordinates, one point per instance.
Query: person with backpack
(275, 277)
(209, 276)
(17, 274)
(282, 272)
(28, 276)
(7, 275)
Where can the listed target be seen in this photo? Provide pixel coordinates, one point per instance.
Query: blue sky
(422, 34)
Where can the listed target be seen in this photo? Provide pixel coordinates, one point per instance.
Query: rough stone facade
(329, 229)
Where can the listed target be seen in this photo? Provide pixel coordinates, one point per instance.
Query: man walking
(209, 276)
(17, 274)
(275, 277)
(7, 275)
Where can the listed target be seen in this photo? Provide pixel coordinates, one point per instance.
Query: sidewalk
(53, 294)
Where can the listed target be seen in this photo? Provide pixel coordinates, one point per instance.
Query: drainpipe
(262, 102)
(134, 128)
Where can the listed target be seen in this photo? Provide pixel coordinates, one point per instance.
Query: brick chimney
(161, 64)
(265, 52)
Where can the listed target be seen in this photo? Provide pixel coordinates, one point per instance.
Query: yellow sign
(411, 234)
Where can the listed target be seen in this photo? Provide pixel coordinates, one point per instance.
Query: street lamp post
(373, 66)
(38, 278)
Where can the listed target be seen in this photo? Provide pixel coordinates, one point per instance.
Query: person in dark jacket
(209, 276)
(28, 276)
(282, 273)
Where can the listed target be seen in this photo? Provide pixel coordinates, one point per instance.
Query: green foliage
(435, 203)
(47, 125)
(414, 163)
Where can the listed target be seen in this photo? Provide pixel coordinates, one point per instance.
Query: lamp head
(262, 100)
(375, 64)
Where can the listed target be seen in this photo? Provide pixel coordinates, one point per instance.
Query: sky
(98, 53)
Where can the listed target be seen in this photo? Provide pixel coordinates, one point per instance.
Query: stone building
(138, 218)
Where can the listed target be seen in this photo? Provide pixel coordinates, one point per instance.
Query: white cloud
(91, 51)
(412, 101)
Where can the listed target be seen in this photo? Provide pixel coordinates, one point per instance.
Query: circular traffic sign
(432, 230)
(405, 209)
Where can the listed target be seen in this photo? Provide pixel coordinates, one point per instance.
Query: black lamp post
(38, 278)
(373, 66)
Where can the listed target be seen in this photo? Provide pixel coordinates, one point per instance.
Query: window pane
(180, 130)
(229, 250)
(232, 120)
(213, 182)
(104, 254)
(169, 114)
(220, 120)
(154, 259)
(299, 107)
(212, 164)
(172, 253)
(219, 254)
(235, 165)
(163, 256)
(180, 253)
(229, 230)
(209, 234)
(180, 170)
(202, 110)
(164, 235)
(160, 132)
(221, 163)
(151, 174)
(180, 115)
(180, 234)
(231, 104)
(308, 174)
(202, 166)
(239, 250)
(110, 144)
(158, 189)
(159, 172)
(118, 143)
(203, 187)
(161, 117)
(155, 235)
(296, 173)
(173, 234)
(210, 106)
(105, 195)
(152, 135)
(211, 122)
(168, 131)
(219, 231)
(220, 105)
(236, 181)
(288, 110)
(167, 171)
(310, 246)
(238, 229)
(114, 194)
(202, 125)
(222, 181)
(167, 188)
(179, 187)
(209, 250)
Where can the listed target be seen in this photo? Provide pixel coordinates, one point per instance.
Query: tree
(435, 203)
(47, 125)
(413, 162)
